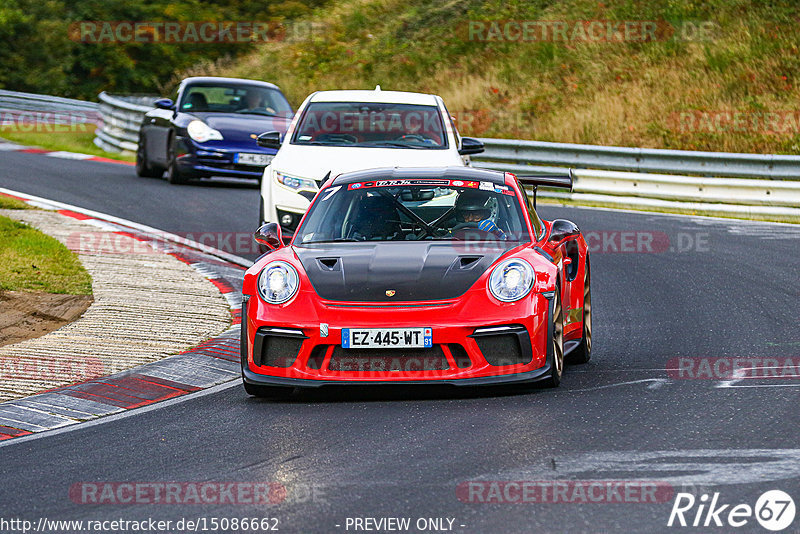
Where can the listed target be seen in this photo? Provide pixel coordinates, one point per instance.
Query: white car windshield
(424, 209)
(368, 124)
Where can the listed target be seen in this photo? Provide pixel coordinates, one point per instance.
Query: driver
(253, 101)
(473, 211)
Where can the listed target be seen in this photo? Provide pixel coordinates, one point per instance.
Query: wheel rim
(558, 335)
(587, 312)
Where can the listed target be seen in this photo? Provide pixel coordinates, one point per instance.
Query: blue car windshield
(235, 98)
(424, 209)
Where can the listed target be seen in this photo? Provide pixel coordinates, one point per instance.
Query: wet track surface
(708, 289)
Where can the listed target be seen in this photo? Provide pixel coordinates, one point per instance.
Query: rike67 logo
(774, 510)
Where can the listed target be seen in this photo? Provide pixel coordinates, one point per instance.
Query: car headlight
(293, 182)
(511, 280)
(278, 282)
(202, 132)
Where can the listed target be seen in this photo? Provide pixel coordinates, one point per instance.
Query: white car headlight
(278, 282)
(293, 182)
(202, 132)
(511, 280)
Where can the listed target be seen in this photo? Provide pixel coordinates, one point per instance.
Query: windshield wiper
(336, 240)
(395, 144)
(249, 112)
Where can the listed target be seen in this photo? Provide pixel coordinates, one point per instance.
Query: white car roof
(394, 97)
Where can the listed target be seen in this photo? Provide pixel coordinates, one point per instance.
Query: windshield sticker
(487, 186)
(331, 191)
(437, 183)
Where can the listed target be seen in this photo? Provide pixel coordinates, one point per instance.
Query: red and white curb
(214, 362)
(14, 147)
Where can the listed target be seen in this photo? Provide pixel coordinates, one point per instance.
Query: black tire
(583, 352)
(557, 342)
(174, 175)
(143, 167)
(268, 392)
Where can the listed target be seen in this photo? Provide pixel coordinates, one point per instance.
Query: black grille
(410, 360)
(506, 348)
(276, 350)
(317, 357)
(459, 355)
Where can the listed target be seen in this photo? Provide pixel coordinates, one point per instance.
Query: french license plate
(386, 338)
(243, 158)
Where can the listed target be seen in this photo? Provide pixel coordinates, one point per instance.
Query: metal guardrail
(26, 112)
(122, 117)
(549, 158)
(764, 185)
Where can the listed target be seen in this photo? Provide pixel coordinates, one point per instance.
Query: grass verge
(33, 261)
(8, 203)
(80, 142)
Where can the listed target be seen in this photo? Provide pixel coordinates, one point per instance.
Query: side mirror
(269, 235)
(470, 146)
(164, 103)
(563, 229)
(269, 140)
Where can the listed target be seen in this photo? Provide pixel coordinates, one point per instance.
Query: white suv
(341, 131)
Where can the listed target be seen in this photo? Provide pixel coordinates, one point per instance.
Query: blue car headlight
(511, 280)
(293, 182)
(202, 132)
(278, 282)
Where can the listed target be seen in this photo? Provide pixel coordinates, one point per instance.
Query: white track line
(44, 202)
(121, 415)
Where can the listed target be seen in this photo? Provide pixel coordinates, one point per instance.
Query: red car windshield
(424, 209)
(366, 124)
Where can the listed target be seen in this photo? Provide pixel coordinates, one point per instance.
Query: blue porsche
(210, 128)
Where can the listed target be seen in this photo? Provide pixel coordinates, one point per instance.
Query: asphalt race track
(667, 290)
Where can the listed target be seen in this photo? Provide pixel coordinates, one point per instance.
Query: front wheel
(174, 175)
(143, 167)
(557, 343)
(583, 352)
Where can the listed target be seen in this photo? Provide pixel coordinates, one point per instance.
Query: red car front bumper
(476, 340)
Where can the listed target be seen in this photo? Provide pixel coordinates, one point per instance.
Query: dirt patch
(25, 315)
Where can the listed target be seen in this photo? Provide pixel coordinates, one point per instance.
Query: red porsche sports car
(418, 275)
